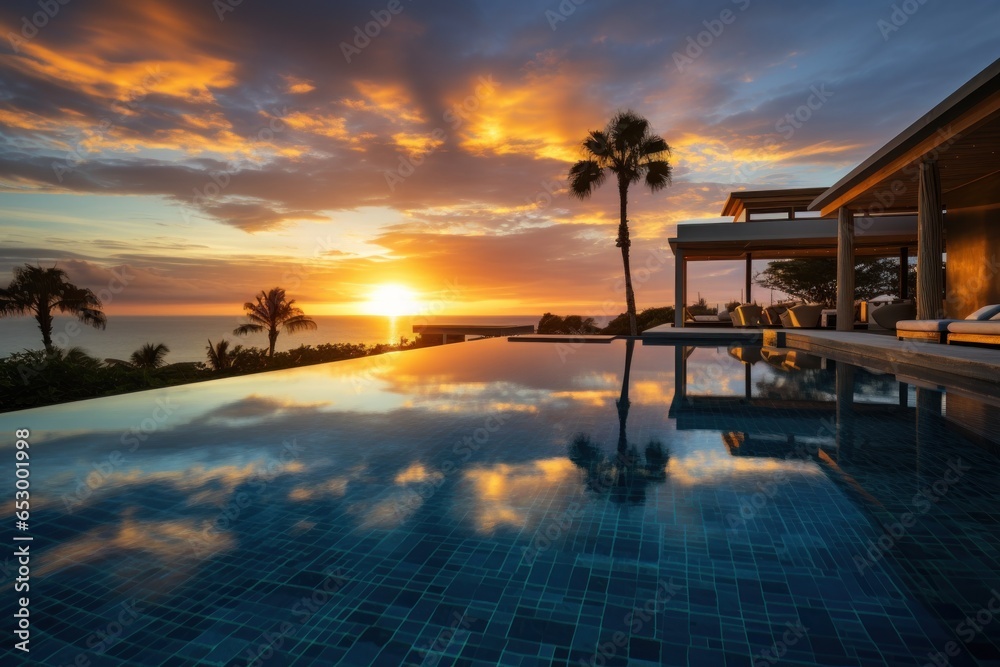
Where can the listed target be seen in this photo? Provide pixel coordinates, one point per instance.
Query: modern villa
(932, 189)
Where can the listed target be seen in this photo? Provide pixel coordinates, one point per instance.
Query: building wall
(972, 232)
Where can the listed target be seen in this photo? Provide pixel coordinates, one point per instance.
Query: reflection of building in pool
(791, 397)
(916, 460)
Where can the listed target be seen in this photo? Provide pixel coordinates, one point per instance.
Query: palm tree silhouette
(627, 475)
(41, 292)
(629, 150)
(149, 356)
(220, 357)
(271, 311)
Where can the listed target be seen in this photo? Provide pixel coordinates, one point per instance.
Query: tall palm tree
(149, 356)
(42, 292)
(272, 311)
(628, 149)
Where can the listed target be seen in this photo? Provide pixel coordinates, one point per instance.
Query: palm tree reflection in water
(626, 475)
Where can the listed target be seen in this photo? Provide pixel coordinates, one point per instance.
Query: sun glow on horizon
(392, 301)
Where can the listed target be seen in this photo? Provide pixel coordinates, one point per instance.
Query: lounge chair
(719, 320)
(772, 315)
(747, 315)
(937, 331)
(749, 355)
(791, 360)
(976, 332)
(802, 316)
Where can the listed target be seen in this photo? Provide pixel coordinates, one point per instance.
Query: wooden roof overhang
(787, 239)
(962, 134)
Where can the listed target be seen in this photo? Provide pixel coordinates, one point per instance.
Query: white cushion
(924, 325)
(985, 328)
(985, 313)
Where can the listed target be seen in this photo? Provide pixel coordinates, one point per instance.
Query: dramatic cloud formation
(197, 152)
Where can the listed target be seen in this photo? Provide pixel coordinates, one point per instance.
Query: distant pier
(441, 334)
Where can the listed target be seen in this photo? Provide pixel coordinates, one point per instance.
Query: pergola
(776, 224)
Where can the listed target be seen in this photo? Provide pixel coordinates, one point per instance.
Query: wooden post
(845, 270)
(749, 277)
(930, 242)
(904, 273)
(680, 287)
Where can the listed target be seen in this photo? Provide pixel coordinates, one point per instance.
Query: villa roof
(785, 239)
(797, 199)
(962, 132)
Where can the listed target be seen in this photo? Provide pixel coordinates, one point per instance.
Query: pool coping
(974, 368)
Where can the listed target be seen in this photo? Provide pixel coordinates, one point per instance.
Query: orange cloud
(101, 59)
(541, 116)
(390, 101)
(297, 86)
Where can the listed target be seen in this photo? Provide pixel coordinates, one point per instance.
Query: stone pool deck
(929, 363)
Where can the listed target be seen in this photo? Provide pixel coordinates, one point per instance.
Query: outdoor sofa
(980, 332)
(937, 331)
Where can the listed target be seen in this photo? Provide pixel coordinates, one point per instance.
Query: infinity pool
(516, 503)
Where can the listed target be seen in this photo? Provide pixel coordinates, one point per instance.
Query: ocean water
(187, 337)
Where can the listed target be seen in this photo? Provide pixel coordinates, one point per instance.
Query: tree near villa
(270, 312)
(42, 292)
(814, 279)
(629, 150)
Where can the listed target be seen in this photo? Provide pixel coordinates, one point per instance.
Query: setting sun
(392, 301)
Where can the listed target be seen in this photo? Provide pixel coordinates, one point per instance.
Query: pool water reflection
(499, 503)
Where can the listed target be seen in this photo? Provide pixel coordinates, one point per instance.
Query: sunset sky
(202, 152)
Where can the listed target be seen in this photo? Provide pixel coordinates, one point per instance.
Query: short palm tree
(273, 311)
(629, 150)
(42, 293)
(149, 356)
(220, 357)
